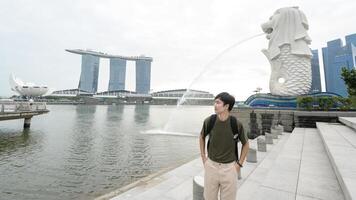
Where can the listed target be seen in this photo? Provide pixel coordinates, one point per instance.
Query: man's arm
(245, 146)
(202, 147)
(244, 151)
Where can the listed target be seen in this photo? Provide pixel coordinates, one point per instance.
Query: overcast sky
(182, 36)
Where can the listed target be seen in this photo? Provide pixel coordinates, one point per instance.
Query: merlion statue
(288, 52)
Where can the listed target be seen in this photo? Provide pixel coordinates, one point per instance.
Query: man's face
(219, 106)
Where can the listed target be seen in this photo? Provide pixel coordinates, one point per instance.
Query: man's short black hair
(226, 98)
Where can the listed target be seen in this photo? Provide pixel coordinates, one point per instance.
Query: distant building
(25, 88)
(335, 57)
(90, 71)
(76, 96)
(70, 93)
(316, 83)
(89, 74)
(191, 97)
(143, 76)
(121, 94)
(117, 74)
(168, 97)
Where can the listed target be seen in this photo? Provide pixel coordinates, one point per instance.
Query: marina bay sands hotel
(90, 71)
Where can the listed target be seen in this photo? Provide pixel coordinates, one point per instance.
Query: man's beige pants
(221, 176)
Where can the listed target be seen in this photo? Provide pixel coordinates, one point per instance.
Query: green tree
(349, 77)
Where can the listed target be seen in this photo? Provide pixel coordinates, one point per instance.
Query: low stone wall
(258, 121)
(308, 119)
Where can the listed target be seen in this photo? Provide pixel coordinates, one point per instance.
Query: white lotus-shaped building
(26, 89)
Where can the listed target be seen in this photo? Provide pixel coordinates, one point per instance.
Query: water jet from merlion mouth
(170, 128)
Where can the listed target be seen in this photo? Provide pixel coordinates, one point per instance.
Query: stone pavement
(306, 164)
(300, 171)
(178, 183)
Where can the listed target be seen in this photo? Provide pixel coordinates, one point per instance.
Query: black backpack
(235, 131)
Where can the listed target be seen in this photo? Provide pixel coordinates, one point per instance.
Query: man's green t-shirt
(221, 142)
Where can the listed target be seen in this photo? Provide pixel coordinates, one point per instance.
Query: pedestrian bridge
(21, 110)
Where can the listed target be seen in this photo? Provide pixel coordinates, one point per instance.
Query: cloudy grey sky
(181, 35)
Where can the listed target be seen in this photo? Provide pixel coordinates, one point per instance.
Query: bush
(305, 102)
(352, 100)
(342, 103)
(326, 103)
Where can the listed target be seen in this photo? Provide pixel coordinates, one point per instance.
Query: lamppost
(257, 90)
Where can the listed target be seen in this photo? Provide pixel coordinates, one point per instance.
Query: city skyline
(182, 36)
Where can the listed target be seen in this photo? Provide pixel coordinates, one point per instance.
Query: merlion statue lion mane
(288, 52)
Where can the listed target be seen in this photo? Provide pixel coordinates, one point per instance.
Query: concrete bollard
(198, 188)
(269, 138)
(261, 144)
(252, 155)
(280, 129)
(274, 133)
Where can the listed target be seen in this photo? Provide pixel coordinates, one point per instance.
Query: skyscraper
(90, 73)
(316, 84)
(117, 74)
(143, 76)
(335, 57)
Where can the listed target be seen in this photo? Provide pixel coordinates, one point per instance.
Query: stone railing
(14, 106)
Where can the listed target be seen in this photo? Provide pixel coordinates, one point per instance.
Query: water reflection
(13, 141)
(142, 113)
(85, 113)
(80, 160)
(112, 149)
(114, 113)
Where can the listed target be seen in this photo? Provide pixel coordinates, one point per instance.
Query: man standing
(221, 164)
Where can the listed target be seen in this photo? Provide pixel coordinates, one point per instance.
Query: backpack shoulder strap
(211, 124)
(235, 130)
(233, 123)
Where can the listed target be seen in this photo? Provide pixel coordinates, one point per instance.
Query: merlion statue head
(287, 26)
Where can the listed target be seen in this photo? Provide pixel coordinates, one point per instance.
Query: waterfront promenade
(307, 164)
